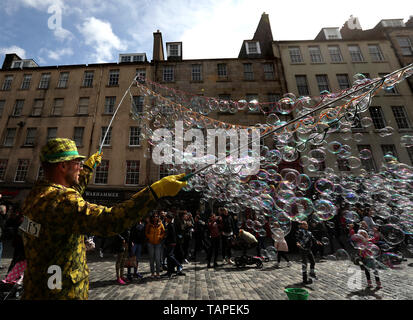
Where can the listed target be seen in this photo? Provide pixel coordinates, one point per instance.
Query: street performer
(56, 218)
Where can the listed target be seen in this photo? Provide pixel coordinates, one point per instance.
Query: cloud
(57, 54)
(99, 35)
(14, 49)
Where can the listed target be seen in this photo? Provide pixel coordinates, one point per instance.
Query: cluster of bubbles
(278, 195)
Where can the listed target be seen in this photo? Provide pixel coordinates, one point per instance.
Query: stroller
(11, 287)
(244, 242)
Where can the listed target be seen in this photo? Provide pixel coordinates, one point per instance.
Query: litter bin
(296, 294)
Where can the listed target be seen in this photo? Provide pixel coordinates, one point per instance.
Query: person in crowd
(228, 229)
(121, 249)
(214, 228)
(154, 233)
(200, 230)
(368, 219)
(280, 245)
(56, 218)
(179, 225)
(319, 231)
(13, 223)
(305, 240)
(170, 244)
(3, 219)
(137, 239)
(187, 235)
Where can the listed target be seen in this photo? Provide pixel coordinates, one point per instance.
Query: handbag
(131, 262)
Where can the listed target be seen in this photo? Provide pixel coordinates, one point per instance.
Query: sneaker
(309, 281)
(312, 275)
(120, 281)
(180, 268)
(224, 261)
(369, 284)
(125, 279)
(230, 261)
(138, 275)
(378, 285)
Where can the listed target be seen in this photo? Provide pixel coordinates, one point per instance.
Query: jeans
(171, 260)
(154, 251)
(307, 254)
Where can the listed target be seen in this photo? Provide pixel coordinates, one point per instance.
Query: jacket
(155, 234)
(305, 238)
(170, 235)
(61, 218)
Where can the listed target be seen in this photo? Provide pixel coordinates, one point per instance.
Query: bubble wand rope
(114, 115)
(381, 81)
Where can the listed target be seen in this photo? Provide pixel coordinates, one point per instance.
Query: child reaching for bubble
(305, 240)
(366, 260)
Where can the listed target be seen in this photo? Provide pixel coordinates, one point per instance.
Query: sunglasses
(77, 162)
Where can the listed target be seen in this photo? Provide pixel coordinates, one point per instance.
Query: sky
(63, 32)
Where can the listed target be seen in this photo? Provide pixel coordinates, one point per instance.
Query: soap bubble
(392, 234)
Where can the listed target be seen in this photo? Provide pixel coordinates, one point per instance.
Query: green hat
(59, 150)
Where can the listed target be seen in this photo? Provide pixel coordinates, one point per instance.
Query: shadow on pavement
(299, 285)
(365, 293)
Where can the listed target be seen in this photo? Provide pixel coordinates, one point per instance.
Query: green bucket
(296, 294)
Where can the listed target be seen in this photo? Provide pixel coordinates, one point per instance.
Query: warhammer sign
(102, 194)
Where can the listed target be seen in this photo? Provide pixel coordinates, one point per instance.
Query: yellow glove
(169, 186)
(95, 158)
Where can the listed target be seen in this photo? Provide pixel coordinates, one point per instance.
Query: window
(18, 108)
(21, 171)
(295, 55)
(110, 105)
(269, 71)
(343, 164)
(322, 82)
(253, 47)
(137, 58)
(78, 136)
(125, 58)
(51, 133)
(368, 164)
(27, 78)
(3, 166)
(37, 107)
(30, 137)
(132, 172)
(315, 54)
(302, 85)
(134, 135)
(138, 104)
(63, 78)
(88, 78)
(141, 74)
(113, 78)
(44, 81)
(222, 70)
(196, 72)
(7, 83)
(248, 71)
(273, 99)
(2, 103)
(335, 54)
(355, 53)
(83, 106)
(401, 117)
(376, 115)
(9, 138)
(57, 107)
(108, 136)
(405, 46)
(343, 81)
(173, 49)
(375, 53)
(168, 73)
(101, 174)
(409, 152)
(163, 171)
(389, 149)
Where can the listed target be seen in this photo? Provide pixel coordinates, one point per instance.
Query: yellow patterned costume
(64, 218)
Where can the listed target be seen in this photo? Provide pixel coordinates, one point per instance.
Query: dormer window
(132, 57)
(393, 23)
(332, 33)
(253, 47)
(174, 49)
(26, 63)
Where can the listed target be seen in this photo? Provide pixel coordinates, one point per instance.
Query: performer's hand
(169, 186)
(95, 158)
